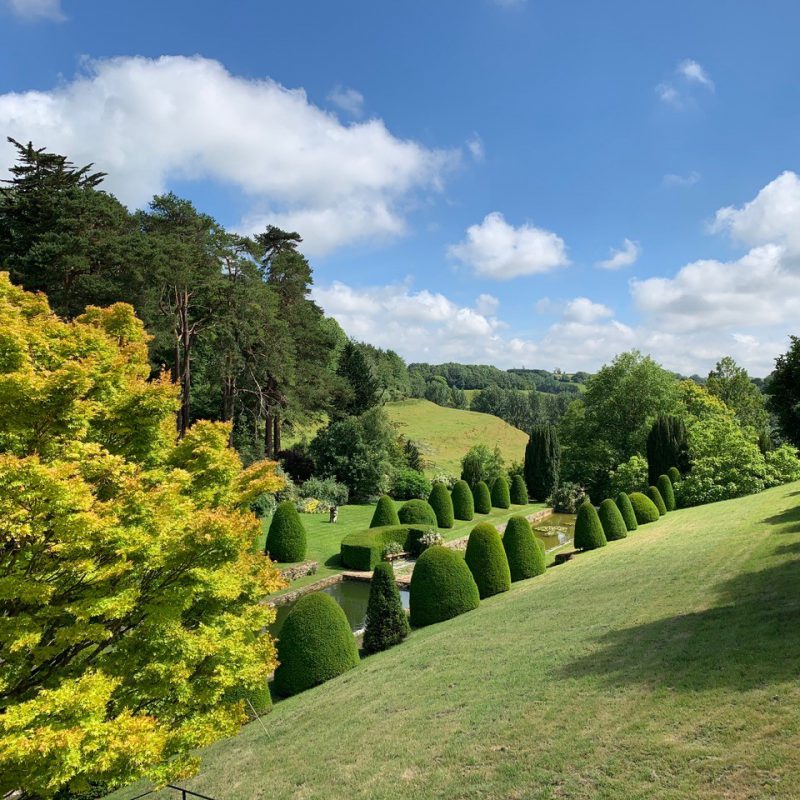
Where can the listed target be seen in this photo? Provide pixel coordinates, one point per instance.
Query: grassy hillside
(662, 666)
(445, 434)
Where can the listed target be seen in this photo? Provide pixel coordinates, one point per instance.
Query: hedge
(673, 473)
(657, 499)
(664, 486)
(487, 560)
(362, 550)
(614, 526)
(524, 550)
(501, 496)
(315, 644)
(626, 509)
(644, 508)
(286, 538)
(442, 505)
(588, 529)
(385, 513)
(463, 503)
(481, 498)
(441, 587)
(387, 622)
(417, 512)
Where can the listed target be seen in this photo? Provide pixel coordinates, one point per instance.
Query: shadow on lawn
(789, 518)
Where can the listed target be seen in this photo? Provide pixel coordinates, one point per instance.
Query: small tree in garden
(674, 475)
(588, 529)
(501, 496)
(387, 622)
(524, 550)
(442, 505)
(441, 587)
(542, 461)
(487, 560)
(644, 508)
(286, 539)
(482, 498)
(626, 509)
(657, 499)
(664, 486)
(519, 491)
(385, 513)
(614, 526)
(463, 502)
(666, 446)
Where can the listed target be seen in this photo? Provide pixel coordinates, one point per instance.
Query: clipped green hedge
(315, 644)
(626, 509)
(657, 499)
(362, 550)
(644, 508)
(674, 474)
(614, 526)
(588, 529)
(524, 550)
(481, 498)
(442, 505)
(463, 503)
(286, 538)
(441, 587)
(501, 496)
(664, 486)
(487, 560)
(519, 491)
(417, 512)
(385, 513)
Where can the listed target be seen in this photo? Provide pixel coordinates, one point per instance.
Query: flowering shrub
(567, 498)
(310, 505)
(629, 477)
(391, 549)
(326, 490)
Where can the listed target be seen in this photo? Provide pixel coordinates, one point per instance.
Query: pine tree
(387, 622)
(361, 390)
(542, 461)
(666, 446)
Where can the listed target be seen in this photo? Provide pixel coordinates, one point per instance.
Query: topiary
(519, 491)
(387, 622)
(626, 509)
(673, 473)
(257, 702)
(481, 498)
(614, 526)
(664, 486)
(657, 499)
(441, 587)
(442, 505)
(524, 550)
(385, 513)
(487, 560)
(315, 644)
(501, 496)
(417, 512)
(588, 529)
(463, 503)
(286, 538)
(644, 508)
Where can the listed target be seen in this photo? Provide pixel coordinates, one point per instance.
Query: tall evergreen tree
(361, 390)
(783, 388)
(542, 461)
(666, 447)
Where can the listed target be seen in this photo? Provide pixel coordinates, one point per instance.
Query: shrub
(419, 543)
(588, 529)
(362, 550)
(567, 498)
(481, 498)
(327, 490)
(664, 486)
(783, 465)
(644, 508)
(673, 473)
(391, 549)
(315, 645)
(386, 623)
(417, 512)
(667, 446)
(626, 509)
(631, 476)
(264, 505)
(441, 587)
(524, 550)
(658, 500)
(442, 505)
(481, 464)
(286, 539)
(519, 491)
(614, 526)
(410, 485)
(501, 496)
(487, 560)
(447, 478)
(542, 461)
(463, 504)
(385, 513)
(260, 699)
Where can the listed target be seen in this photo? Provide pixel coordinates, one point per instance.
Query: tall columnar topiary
(315, 645)
(385, 513)
(442, 505)
(441, 587)
(524, 550)
(658, 500)
(614, 526)
(673, 473)
(644, 508)
(667, 446)
(626, 509)
(286, 538)
(463, 502)
(519, 491)
(387, 622)
(542, 461)
(487, 560)
(664, 486)
(417, 512)
(482, 498)
(588, 529)
(501, 496)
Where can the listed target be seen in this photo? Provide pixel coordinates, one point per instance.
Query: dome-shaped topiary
(626, 509)
(644, 508)
(588, 529)
(286, 538)
(487, 560)
(481, 498)
(519, 491)
(442, 505)
(614, 526)
(387, 622)
(658, 500)
(315, 644)
(417, 512)
(463, 503)
(385, 513)
(673, 473)
(664, 486)
(441, 587)
(524, 550)
(257, 702)
(501, 496)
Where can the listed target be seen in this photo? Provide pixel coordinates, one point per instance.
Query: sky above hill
(515, 182)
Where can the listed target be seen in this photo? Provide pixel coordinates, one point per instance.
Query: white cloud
(688, 74)
(37, 9)
(348, 100)
(475, 147)
(668, 94)
(623, 256)
(585, 311)
(671, 180)
(498, 250)
(694, 73)
(487, 305)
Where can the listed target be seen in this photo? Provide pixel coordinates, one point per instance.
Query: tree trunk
(269, 447)
(277, 434)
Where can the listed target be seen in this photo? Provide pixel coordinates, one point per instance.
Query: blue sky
(463, 171)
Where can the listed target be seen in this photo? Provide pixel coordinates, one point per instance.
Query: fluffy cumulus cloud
(37, 9)
(495, 249)
(348, 100)
(585, 311)
(145, 121)
(621, 257)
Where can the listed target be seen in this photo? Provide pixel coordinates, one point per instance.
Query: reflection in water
(555, 530)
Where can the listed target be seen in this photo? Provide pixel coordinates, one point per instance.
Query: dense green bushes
(524, 550)
(386, 623)
(385, 513)
(658, 500)
(567, 498)
(441, 587)
(408, 484)
(442, 505)
(501, 496)
(487, 560)
(463, 503)
(286, 538)
(588, 529)
(417, 512)
(481, 498)
(519, 491)
(644, 508)
(614, 526)
(664, 486)
(673, 473)
(542, 461)
(667, 445)
(362, 550)
(626, 509)
(315, 645)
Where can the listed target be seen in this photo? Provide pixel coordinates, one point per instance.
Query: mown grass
(665, 665)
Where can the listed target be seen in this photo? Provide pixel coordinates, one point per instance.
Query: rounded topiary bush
(524, 551)
(257, 702)
(286, 538)
(442, 505)
(658, 500)
(481, 498)
(614, 526)
(314, 645)
(417, 512)
(387, 622)
(385, 513)
(673, 473)
(588, 529)
(487, 560)
(501, 495)
(441, 587)
(664, 486)
(626, 509)
(463, 503)
(519, 491)
(644, 508)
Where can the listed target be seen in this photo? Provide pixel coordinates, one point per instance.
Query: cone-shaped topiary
(524, 550)
(664, 486)
(673, 473)
(463, 503)
(481, 498)
(588, 529)
(442, 505)
(501, 496)
(314, 645)
(626, 509)
(385, 513)
(487, 560)
(644, 508)
(286, 538)
(441, 587)
(519, 491)
(614, 526)
(387, 622)
(657, 499)
(417, 512)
